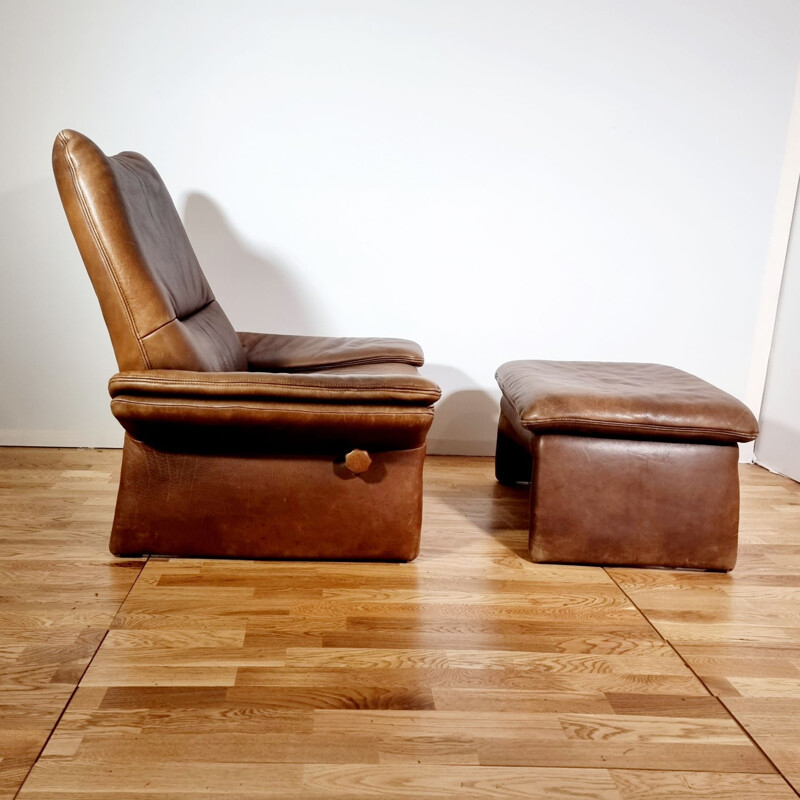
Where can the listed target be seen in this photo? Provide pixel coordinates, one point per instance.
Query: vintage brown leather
(634, 502)
(275, 352)
(293, 505)
(238, 444)
(373, 383)
(157, 304)
(623, 399)
(628, 464)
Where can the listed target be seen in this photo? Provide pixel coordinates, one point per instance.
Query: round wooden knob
(357, 461)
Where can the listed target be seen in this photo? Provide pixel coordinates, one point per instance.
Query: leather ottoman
(629, 464)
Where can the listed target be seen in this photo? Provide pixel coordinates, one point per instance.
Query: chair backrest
(157, 304)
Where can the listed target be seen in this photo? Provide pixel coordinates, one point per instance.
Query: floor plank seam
(734, 718)
(639, 610)
(61, 714)
(703, 684)
(78, 684)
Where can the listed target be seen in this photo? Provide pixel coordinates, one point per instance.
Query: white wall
(579, 179)
(778, 445)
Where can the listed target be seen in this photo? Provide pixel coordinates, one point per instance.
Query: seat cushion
(622, 400)
(366, 383)
(372, 406)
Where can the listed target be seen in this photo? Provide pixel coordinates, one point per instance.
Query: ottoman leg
(512, 461)
(633, 502)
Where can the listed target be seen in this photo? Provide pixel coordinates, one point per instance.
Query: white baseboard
(19, 438)
(747, 453)
(459, 447)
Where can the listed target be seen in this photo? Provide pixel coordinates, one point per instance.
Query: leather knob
(357, 461)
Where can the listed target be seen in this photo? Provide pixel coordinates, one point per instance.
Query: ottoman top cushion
(622, 399)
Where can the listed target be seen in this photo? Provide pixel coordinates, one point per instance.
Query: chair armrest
(395, 383)
(275, 352)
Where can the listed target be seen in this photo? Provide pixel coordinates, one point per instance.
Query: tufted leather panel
(620, 399)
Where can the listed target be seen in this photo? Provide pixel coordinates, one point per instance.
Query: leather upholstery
(375, 405)
(393, 383)
(275, 352)
(297, 505)
(238, 444)
(244, 426)
(629, 464)
(621, 399)
(157, 304)
(634, 502)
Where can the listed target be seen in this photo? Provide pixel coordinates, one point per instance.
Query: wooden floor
(471, 673)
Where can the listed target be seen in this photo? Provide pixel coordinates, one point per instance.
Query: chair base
(626, 502)
(282, 506)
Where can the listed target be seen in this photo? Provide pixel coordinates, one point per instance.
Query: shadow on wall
(258, 294)
(255, 289)
(465, 420)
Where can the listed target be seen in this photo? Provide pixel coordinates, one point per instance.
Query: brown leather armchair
(238, 444)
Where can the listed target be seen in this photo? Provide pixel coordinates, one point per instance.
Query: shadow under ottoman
(629, 464)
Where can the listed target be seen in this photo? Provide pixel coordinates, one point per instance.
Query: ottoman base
(512, 460)
(625, 502)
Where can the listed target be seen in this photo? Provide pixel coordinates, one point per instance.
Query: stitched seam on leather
(530, 425)
(240, 406)
(101, 248)
(135, 382)
(375, 394)
(163, 325)
(414, 362)
(179, 319)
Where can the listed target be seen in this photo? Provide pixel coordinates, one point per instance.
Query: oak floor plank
(774, 722)
(469, 673)
(740, 632)
(59, 590)
(463, 781)
(678, 785)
